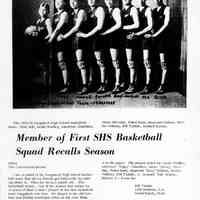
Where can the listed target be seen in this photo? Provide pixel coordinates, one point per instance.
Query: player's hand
(34, 34)
(154, 36)
(148, 36)
(60, 37)
(130, 36)
(47, 37)
(102, 34)
(83, 35)
(50, 40)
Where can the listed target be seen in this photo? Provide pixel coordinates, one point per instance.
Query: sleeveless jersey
(143, 19)
(127, 19)
(56, 19)
(42, 28)
(159, 17)
(84, 25)
(92, 19)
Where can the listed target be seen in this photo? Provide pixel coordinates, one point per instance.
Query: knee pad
(147, 64)
(100, 63)
(62, 65)
(116, 64)
(163, 65)
(81, 64)
(131, 64)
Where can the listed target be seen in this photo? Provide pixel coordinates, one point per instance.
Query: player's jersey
(158, 17)
(143, 19)
(84, 25)
(92, 19)
(126, 16)
(109, 20)
(42, 28)
(56, 19)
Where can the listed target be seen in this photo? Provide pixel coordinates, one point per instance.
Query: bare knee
(81, 65)
(62, 65)
(163, 66)
(147, 64)
(116, 64)
(131, 64)
(100, 63)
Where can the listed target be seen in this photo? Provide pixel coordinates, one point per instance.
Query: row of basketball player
(105, 27)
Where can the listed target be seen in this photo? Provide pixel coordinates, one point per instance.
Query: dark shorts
(113, 41)
(98, 43)
(159, 44)
(41, 50)
(80, 43)
(62, 46)
(146, 43)
(131, 44)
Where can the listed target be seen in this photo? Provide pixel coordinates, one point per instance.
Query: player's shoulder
(133, 9)
(116, 10)
(100, 9)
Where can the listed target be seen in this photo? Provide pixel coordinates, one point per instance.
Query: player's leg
(100, 63)
(62, 65)
(147, 65)
(115, 61)
(163, 64)
(132, 71)
(81, 65)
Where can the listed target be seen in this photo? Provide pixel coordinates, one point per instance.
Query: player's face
(159, 2)
(43, 11)
(74, 4)
(91, 3)
(109, 3)
(126, 2)
(59, 4)
(143, 2)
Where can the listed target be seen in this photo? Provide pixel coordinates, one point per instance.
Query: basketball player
(161, 16)
(113, 24)
(130, 21)
(60, 25)
(96, 19)
(146, 23)
(79, 44)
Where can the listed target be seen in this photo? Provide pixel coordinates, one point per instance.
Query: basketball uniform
(42, 48)
(64, 44)
(112, 39)
(128, 20)
(146, 42)
(159, 41)
(78, 42)
(97, 41)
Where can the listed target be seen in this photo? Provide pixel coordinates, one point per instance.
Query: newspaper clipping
(99, 100)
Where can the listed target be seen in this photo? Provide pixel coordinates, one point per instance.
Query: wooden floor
(93, 100)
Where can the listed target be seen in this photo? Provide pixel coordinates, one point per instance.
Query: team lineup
(104, 27)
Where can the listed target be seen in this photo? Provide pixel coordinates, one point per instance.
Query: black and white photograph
(99, 53)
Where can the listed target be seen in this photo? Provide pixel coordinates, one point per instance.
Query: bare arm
(100, 14)
(49, 28)
(80, 19)
(63, 20)
(134, 15)
(118, 22)
(166, 22)
(149, 23)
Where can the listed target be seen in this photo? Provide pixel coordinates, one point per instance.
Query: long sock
(117, 76)
(163, 79)
(84, 76)
(65, 77)
(132, 75)
(148, 74)
(102, 72)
